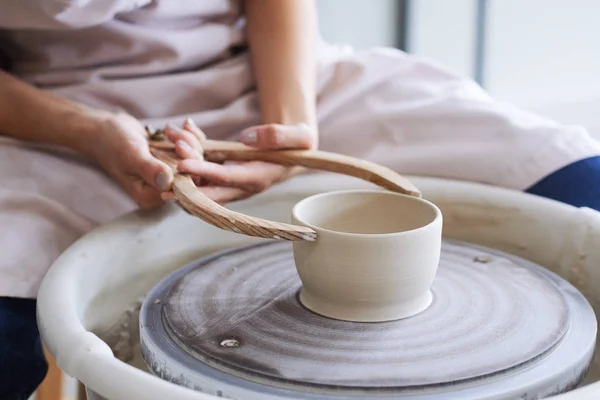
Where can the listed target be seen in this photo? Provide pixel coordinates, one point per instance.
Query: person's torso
(158, 60)
(54, 43)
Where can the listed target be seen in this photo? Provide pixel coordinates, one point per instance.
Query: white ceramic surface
(88, 302)
(375, 257)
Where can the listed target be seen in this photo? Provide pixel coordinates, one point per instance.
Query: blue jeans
(577, 184)
(22, 362)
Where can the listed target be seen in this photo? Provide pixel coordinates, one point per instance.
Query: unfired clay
(376, 255)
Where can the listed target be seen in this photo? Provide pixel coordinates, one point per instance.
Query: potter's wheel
(498, 328)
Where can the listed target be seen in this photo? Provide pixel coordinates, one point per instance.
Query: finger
(184, 150)
(248, 176)
(276, 136)
(198, 181)
(145, 196)
(190, 125)
(224, 194)
(154, 172)
(167, 196)
(176, 134)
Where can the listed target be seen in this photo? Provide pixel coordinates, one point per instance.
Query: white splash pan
(94, 288)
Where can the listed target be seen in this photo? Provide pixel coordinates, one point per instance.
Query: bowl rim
(438, 218)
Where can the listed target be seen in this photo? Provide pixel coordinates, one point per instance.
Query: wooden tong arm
(196, 203)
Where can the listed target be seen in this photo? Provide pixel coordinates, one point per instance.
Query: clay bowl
(375, 258)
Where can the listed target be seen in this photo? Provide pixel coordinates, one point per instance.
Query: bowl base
(371, 313)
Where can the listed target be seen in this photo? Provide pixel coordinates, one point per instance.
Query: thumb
(277, 136)
(155, 172)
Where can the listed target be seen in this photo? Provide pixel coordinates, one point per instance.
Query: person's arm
(31, 114)
(117, 142)
(282, 35)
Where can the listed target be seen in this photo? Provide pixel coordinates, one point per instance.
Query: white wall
(444, 31)
(543, 51)
(543, 55)
(361, 23)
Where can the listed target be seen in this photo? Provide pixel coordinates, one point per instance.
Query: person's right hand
(228, 182)
(120, 145)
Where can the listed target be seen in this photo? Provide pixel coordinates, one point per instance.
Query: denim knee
(577, 184)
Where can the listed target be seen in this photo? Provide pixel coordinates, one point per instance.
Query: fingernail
(192, 123)
(172, 127)
(249, 136)
(185, 145)
(162, 181)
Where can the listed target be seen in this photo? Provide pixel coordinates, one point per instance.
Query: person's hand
(119, 144)
(235, 181)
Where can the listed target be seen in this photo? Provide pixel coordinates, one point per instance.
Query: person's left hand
(229, 182)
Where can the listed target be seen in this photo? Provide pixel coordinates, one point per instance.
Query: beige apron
(166, 60)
